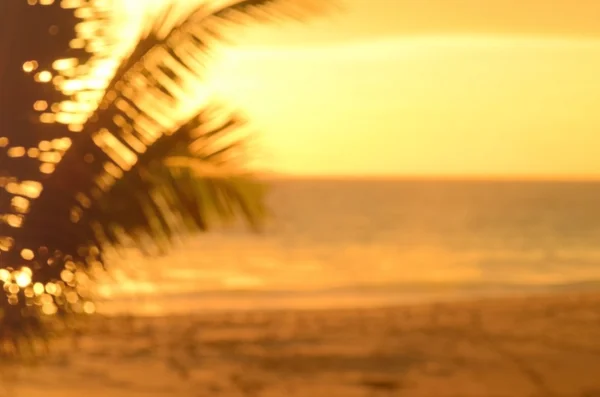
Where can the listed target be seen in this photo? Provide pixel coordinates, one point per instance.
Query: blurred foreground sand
(536, 346)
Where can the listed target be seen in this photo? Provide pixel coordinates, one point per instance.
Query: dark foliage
(88, 163)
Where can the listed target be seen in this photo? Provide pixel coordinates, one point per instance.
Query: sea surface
(333, 243)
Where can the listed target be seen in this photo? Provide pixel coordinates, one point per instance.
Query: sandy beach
(520, 346)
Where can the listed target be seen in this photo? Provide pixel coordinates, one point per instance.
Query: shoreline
(543, 345)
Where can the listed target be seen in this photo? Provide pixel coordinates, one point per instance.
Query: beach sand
(520, 346)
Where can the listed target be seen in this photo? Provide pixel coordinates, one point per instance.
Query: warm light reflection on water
(421, 239)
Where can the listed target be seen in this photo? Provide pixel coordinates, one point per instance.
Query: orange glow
(14, 220)
(38, 289)
(47, 168)
(441, 95)
(89, 308)
(48, 118)
(22, 279)
(404, 87)
(63, 64)
(16, 151)
(27, 254)
(43, 76)
(30, 66)
(40, 106)
(20, 204)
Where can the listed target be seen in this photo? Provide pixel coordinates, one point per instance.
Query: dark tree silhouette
(89, 161)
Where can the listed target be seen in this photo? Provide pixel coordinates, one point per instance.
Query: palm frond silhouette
(99, 152)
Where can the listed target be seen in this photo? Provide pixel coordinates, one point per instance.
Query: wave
(357, 296)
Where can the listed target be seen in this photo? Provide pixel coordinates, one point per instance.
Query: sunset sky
(414, 87)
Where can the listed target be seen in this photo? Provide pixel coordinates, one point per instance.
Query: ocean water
(365, 242)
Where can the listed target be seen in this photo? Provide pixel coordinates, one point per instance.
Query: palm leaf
(143, 159)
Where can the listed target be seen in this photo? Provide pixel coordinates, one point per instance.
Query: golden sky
(413, 87)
